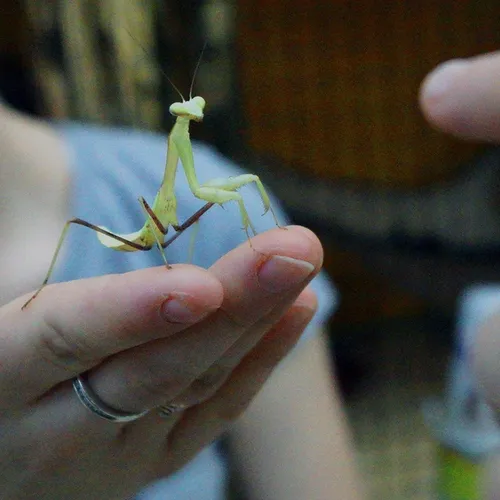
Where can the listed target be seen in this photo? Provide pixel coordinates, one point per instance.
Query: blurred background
(319, 99)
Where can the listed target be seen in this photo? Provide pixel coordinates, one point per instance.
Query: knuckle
(62, 349)
(154, 384)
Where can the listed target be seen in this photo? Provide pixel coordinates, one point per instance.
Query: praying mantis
(163, 212)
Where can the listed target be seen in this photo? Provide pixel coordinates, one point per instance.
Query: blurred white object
(461, 421)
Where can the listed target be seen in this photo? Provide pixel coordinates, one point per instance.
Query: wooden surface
(13, 26)
(331, 87)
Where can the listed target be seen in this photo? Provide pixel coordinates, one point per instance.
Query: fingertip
(314, 243)
(462, 97)
(306, 232)
(307, 299)
(437, 95)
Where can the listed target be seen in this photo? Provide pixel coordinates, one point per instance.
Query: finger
(255, 280)
(462, 97)
(74, 447)
(211, 380)
(202, 424)
(485, 360)
(72, 327)
(278, 276)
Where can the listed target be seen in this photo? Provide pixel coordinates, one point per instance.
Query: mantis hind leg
(64, 232)
(133, 244)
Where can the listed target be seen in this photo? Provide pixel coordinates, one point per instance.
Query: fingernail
(176, 309)
(439, 81)
(281, 273)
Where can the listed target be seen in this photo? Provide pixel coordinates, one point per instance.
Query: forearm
(34, 188)
(293, 442)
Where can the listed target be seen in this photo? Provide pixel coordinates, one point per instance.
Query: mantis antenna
(159, 68)
(196, 70)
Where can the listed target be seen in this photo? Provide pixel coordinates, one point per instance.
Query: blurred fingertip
(436, 95)
(307, 299)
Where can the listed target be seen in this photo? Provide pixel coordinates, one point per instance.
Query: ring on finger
(97, 406)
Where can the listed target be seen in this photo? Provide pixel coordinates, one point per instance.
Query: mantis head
(192, 109)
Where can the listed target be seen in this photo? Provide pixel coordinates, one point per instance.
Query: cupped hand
(205, 340)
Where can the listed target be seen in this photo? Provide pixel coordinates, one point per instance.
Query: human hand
(246, 313)
(462, 97)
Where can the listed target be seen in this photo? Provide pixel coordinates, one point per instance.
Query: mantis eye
(199, 101)
(177, 108)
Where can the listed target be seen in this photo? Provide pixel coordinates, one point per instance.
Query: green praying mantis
(163, 213)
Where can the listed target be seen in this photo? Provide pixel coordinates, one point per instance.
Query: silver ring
(167, 410)
(92, 402)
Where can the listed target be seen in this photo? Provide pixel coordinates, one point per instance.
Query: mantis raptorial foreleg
(194, 219)
(152, 217)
